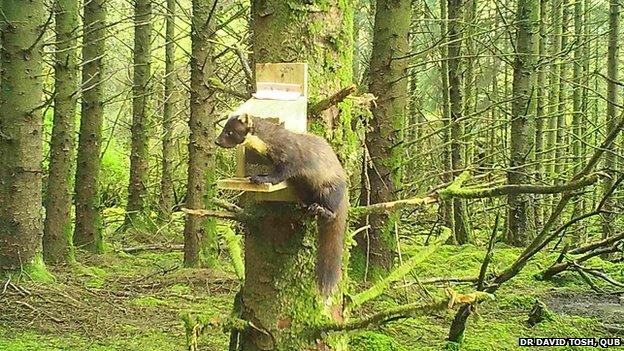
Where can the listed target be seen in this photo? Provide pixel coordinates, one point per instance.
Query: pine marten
(311, 167)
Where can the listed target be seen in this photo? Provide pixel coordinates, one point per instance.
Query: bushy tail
(329, 252)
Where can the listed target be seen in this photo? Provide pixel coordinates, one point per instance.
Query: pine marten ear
(246, 120)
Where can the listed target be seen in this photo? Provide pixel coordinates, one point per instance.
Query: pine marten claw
(316, 209)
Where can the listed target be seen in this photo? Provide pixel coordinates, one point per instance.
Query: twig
(392, 314)
(216, 85)
(155, 247)
(226, 205)
(213, 213)
(488, 255)
(399, 272)
(480, 193)
(39, 311)
(386, 207)
(332, 100)
(243, 60)
(588, 280)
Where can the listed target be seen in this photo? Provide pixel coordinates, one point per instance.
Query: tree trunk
(167, 196)
(455, 8)
(527, 17)
(542, 100)
(87, 233)
(21, 217)
(200, 233)
(384, 136)
(279, 293)
(612, 99)
(470, 86)
(561, 151)
(447, 206)
(139, 153)
(57, 230)
(553, 98)
(577, 113)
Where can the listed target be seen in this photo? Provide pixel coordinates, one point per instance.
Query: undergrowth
(119, 301)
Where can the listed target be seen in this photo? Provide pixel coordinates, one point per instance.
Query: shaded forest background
(489, 125)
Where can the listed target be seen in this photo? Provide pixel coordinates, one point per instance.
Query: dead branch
(218, 86)
(243, 60)
(597, 244)
(213, 213)
(156, 247)
(226, 205)
(513, 189)
(400, 272)
(488, 256)
(602, 275)
(389, 315)
(386, 207)
(331, 100)
(545, 237)
(455, 190)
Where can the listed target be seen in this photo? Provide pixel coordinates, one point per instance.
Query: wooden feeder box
(281, 95)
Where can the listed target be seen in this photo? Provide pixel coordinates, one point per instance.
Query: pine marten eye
(230, 133)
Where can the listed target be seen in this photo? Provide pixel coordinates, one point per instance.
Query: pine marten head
(235, 131)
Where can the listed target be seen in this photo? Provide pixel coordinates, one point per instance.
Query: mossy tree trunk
(167, 196)
(139, 153)
(57, 229)
(455, 33)
(200, 233)
(384, 135)
(21, 154)
(577, 112)
(87, 232)
(553, 98)
(561, 151)
(527, 17)
(280, 294)
(542, 100)
(612, 99)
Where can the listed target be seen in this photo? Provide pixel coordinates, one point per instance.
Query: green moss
(37, 271)
(180, 289)
(149, 301)
(371, 341)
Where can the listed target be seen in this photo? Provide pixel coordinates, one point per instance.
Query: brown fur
(308, 163)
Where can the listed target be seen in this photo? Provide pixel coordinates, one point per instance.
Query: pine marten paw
(260, 179)
(318, 210)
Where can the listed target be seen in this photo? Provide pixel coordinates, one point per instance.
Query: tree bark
(612, 99)
(139, 153)
(87, 233)
(455, 33)
(561, 151)
(447, 206)
(384, 136)
(542, 101)
(167, 196)
(577, 113)
(527, 18)
(200, 233)
(21, 217)
(279, 293)
(57, 230)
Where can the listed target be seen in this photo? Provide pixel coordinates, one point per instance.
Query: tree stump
(279, 296)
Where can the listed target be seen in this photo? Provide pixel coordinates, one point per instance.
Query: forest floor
(120, 301)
